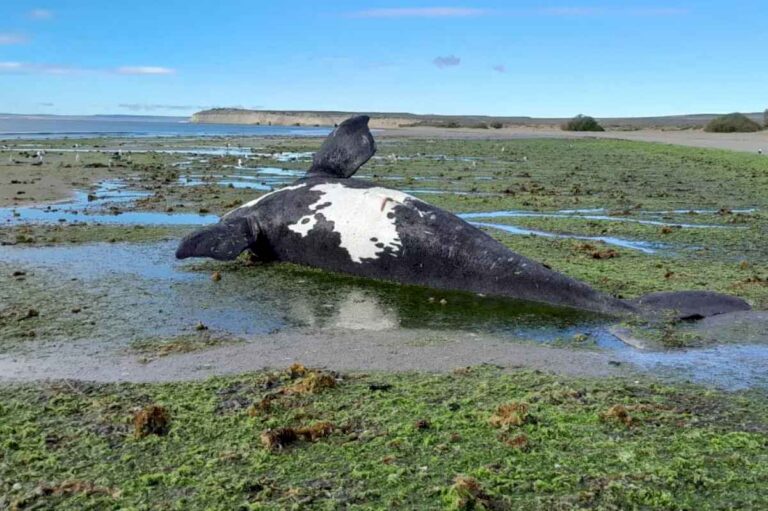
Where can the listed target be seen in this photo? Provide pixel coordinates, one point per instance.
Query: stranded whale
(328, 221)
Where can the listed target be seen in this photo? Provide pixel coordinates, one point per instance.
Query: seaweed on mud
(617, 413)
(202, 339)
(466, 494)
(510, 415)
(519, 441)
(312, 382)
(151, 420)
(277, 439)
(316, 431)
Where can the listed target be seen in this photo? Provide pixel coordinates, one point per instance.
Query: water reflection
(261, 299)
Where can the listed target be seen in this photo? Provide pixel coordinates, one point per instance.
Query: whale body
(327, 220)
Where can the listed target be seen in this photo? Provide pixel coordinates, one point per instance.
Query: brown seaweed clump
(297, 370)
(519, 442)
(617, 413)
(261, 407)
(316, 431)
(312, 383)
(276, 439)
(151, 420)
(510, 414)
(466, 493)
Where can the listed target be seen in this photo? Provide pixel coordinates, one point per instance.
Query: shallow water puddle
(732, 367)
(140, 291)
(255, 178)
(645, 247)
(589, 215)
(202, 150)
(93, 208)
(90, 208)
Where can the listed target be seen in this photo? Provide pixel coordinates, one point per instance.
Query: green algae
(43, 234)
(668, 448)
(151, 348)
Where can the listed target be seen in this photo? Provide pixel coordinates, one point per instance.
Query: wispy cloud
(145, 70)
(622, 11)
(28, 68)
(7, 38)
(563, 11)
(47, 104)
(660, 11)
(146, 107)
(10, 67)
(500, 68)
(447, 61)
(40, 14)
(420, 12)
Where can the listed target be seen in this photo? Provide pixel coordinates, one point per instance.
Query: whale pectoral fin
(692, 304)
(345, 150)
(223, 241)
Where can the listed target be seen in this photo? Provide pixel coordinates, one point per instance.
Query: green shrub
(480, 126)
(582, 123)
(732, 123)
(498, 125)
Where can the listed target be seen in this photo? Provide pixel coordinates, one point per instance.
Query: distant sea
(41, 127)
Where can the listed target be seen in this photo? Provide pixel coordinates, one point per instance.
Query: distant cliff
(378, 119)
(296, 118)
(400, 120)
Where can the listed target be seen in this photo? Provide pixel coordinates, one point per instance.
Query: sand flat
(747, 142)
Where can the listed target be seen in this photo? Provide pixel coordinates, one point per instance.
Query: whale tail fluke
(224, 240)
(345, 150)
(691, 305)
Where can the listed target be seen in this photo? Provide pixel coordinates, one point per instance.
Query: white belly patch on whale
(364, 217)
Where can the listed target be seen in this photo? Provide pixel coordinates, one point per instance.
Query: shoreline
(741, 142)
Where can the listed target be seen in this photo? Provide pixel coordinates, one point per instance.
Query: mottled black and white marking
(327, 220)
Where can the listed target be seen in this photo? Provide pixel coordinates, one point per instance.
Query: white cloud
(659, 11)
(147, 107)
(570, 11)
(57, 69)
(447, 61)
(6, 38)
(145, 70)
(40, 14)
(467, 12)
(500, 68)
(421, 12)
(624, 11)
(28, 68)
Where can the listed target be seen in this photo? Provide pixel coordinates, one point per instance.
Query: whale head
(224, 240)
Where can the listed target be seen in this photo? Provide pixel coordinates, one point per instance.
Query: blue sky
(170, 57)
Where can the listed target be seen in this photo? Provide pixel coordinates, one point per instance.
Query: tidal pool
(130, 292)
(140, 290)
(584, 215)
(94, 207)
(645, 247)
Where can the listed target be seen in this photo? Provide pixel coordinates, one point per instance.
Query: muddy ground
(89, 232)
(131, 380)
